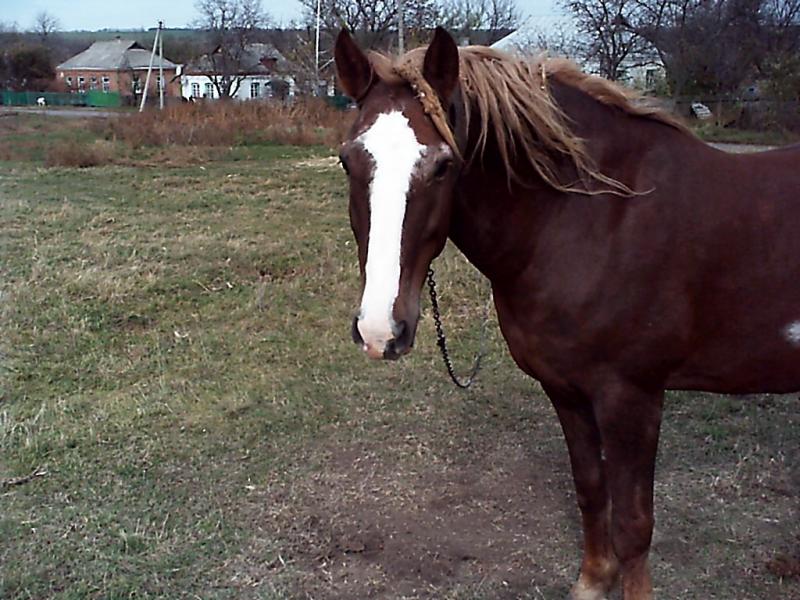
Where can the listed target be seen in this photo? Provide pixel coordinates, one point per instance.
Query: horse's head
(402, 171)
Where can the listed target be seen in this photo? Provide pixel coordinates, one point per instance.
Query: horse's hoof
(581, 591)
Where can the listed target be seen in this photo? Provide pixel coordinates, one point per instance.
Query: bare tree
(493, 18)
(372, 22)
(45, 24)
(714, 46)
(607, 38)
(231, 26)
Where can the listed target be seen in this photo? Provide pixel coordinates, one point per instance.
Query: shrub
(306, 122)
(66, 153)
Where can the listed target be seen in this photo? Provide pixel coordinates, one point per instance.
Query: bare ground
(494, 516)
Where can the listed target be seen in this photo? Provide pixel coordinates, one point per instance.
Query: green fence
(99, 98)
(339, 101)
(91, 98)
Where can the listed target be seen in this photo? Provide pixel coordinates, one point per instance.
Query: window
(106, 84)
(255, 89)
(209, 91)
(81, 83)
(158, 82)
(137, 85)
(195, 90)
(69, 82)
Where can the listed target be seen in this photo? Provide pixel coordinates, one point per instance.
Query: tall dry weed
(67, 153)
(306, 122)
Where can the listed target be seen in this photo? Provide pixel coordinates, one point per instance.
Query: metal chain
(441, 340)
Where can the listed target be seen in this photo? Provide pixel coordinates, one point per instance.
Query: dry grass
(202, 440)
(66, 153)
(304, 123)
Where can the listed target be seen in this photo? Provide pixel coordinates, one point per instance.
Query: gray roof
(528, 37)
(252, 62)
(113, 55)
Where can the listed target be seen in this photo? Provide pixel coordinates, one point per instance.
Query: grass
(715, 133)
(175, 365)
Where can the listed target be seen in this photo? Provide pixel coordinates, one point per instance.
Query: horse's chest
(535, 343)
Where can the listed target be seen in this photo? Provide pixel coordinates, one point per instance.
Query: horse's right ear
(353, 67)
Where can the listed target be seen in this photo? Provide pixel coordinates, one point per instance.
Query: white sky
(135, 14)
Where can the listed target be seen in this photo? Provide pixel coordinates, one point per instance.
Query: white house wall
(208, 90)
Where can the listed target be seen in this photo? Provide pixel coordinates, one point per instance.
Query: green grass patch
(714, 133)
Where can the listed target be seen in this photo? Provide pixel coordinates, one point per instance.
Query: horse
(626, 256)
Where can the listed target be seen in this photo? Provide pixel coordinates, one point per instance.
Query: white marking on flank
(792, 333)
(395, 152)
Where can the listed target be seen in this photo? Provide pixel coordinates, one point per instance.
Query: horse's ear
(352, 65)
(440, 68)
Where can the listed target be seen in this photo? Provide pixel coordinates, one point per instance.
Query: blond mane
(511, 99)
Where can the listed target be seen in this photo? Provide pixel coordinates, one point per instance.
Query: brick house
(116, 66)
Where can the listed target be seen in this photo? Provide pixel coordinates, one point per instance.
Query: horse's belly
(740, 367)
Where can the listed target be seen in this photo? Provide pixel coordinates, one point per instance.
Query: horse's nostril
(391, 349)
(401, 343)
(356, 333)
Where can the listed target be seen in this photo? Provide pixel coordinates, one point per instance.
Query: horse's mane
(511, 99)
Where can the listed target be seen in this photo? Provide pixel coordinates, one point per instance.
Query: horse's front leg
(599, 567)
(629, 420)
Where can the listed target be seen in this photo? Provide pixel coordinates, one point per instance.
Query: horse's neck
(497, 225)
(495, 222)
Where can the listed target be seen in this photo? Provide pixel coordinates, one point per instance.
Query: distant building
(644, 71)
(116, 66)
(263, 72)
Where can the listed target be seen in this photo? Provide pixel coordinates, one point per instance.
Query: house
(261, 72)
(116, 66)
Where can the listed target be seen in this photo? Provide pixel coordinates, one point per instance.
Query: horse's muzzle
(394, 348)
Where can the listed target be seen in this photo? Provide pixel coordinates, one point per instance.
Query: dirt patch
(366, 526)
(460, 525)
(479, 515)
(741, 148)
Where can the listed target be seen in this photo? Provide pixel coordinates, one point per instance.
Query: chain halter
(441, 340)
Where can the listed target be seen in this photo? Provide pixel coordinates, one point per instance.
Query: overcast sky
(134, 14)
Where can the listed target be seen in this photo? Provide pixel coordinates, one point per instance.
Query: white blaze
(394, 149)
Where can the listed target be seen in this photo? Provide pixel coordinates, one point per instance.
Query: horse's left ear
(440, 68)
(353, 67)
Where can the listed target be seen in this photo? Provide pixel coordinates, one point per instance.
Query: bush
(307, 122)
(66, 153)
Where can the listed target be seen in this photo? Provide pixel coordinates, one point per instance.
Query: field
(183, 414)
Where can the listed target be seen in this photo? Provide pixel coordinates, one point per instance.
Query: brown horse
(626, 256)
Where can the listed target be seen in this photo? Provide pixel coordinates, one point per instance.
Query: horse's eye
(343, 162)
(442, 167)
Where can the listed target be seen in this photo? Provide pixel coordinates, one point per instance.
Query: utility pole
(401, 45)
(150, 67)
(316, 53)
(160, 66)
